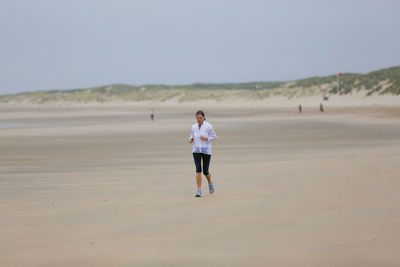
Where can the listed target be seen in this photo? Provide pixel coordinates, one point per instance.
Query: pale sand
(104, 186)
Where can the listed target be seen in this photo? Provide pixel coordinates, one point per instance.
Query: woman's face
(199, 118)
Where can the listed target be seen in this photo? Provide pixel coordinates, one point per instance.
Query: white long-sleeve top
(206, 130)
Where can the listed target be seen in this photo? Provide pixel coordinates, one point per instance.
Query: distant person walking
(321, 107)
(300, 108)
(201, 137)
(152, 114)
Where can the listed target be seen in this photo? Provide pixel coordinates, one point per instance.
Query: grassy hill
(384, 81)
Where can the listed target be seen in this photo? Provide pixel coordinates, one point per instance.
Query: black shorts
(206, 162)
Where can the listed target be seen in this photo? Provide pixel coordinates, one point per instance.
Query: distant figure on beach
(321, 107)
(300, 108)
(201, 137)
(152, 114)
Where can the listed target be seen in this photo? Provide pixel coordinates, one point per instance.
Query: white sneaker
(198, 193)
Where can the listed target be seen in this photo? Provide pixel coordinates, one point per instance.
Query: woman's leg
(197, 162)
(198, 180)
(206, 165)
(208, 176)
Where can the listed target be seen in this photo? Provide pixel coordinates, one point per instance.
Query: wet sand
(105, 186)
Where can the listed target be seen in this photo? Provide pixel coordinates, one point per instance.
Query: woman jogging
(201, 137)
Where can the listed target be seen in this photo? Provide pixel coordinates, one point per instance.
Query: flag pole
(338, 83)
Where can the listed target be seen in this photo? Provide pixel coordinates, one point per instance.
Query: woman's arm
(191, 137)
(212, 135)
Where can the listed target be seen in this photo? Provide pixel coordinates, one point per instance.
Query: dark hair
(200, 112)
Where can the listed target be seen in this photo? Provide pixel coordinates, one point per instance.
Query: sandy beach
(102, 185)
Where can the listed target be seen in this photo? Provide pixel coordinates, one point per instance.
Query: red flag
(340, 74)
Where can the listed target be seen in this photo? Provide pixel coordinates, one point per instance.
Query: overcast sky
(83, 43)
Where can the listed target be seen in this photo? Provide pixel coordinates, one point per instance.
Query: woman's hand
(191, 140)
(203, 138)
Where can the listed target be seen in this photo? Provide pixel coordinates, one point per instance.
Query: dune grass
(385, 81)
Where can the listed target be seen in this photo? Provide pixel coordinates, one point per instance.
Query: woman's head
(200, 117)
